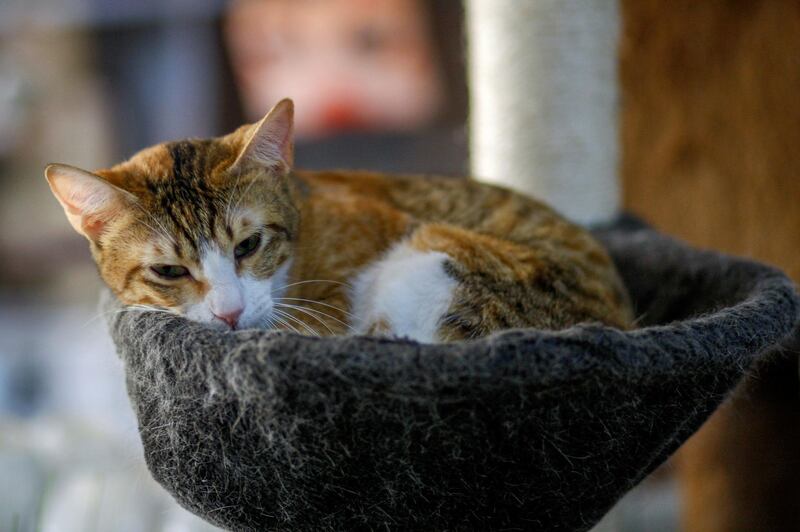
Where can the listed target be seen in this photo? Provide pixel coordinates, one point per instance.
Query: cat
(224, 231)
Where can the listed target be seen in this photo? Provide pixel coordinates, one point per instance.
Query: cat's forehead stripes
(193, 206)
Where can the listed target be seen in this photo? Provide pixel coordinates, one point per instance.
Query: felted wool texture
(525, 429)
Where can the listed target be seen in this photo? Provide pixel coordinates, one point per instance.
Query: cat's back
(456, 200)
(565, 253)
(462, 202)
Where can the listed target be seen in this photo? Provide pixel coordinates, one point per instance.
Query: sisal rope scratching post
(543, 94)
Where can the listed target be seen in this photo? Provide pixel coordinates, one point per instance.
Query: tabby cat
(224, 231)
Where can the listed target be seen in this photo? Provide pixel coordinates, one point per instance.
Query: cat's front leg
(404, 294)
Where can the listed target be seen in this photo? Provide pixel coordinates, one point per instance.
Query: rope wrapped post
(544, 91)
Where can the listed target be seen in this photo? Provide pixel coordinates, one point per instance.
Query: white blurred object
(652, 506)
(82, 379)
(64, 476)
(543, 90)
(73, 462)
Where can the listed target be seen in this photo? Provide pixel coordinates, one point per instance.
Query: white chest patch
(407, 289)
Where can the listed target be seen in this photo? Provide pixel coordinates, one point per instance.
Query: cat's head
(204, 228)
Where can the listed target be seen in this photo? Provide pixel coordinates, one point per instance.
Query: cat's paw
(404, 294)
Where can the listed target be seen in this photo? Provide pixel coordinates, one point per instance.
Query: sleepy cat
(224, 231)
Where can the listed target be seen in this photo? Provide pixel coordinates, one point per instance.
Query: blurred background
(709, 131)
(377, 84)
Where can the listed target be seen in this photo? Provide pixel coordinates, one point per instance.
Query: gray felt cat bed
(526, 429)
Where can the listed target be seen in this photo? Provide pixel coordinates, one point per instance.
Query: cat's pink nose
(230, 317)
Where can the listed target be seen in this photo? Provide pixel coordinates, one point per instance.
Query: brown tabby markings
(516, 262)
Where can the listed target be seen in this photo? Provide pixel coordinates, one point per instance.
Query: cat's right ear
(270, 142)
(89, 201)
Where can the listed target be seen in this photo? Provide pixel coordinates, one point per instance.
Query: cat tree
(525, 429)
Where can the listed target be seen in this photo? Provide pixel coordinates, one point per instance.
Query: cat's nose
(230, 317)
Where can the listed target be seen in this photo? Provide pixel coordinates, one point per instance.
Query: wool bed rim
(765, 283)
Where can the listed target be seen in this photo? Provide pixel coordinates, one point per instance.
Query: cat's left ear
(271, 141)
(89, 201)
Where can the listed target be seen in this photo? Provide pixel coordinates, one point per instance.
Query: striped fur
(513, 262)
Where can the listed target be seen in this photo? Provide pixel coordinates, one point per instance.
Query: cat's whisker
(268, 323)
(271, 320)
(102, 315)
(300, 322)
(324, 324)
(151, 308)
(159, 232)
(318, 312)
(310, 281)
(229, 201)
(311, 330)
(288, 323)
(241, 196)
(276, 325)
(309, 312)
(156, 310)
(289, 326)
(343, 311)
(231, 193)
(163, 230)
(638, 319)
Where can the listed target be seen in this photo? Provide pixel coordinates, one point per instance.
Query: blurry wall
(710, 135)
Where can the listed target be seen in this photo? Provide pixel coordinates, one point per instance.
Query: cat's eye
(246, 247)
(170, 271)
